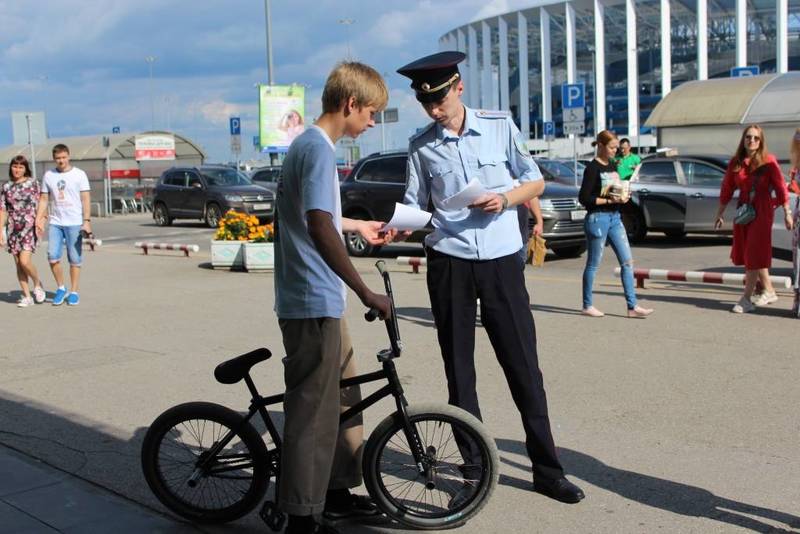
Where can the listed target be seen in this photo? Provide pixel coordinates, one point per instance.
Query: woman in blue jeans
(603, 223)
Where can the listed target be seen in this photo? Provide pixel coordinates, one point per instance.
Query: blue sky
(82, 61)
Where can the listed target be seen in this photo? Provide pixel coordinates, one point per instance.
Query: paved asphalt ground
(684, 422)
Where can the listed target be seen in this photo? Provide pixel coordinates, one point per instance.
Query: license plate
(577, 215)
(264, 206)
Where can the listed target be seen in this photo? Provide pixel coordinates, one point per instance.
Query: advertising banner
(152, 147)
(281, 116)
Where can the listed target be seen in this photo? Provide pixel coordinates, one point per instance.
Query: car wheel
(635, 225)
(569, 252)
(674, 234)
(213, 215)
(161, 215)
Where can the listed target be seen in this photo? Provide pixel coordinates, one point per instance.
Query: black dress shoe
(559, 489)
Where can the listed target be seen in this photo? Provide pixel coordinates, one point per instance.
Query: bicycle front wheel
(460, 471)
(179, 471)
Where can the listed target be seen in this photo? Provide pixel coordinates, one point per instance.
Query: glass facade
(761, 44)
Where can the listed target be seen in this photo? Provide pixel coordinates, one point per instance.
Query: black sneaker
(356, 506)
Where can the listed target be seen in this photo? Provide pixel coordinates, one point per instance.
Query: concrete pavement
(684, 422)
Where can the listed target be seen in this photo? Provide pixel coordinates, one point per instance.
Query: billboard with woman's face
(281, 116)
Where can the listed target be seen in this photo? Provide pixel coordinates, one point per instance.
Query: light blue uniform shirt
(440, 164)
(305, 287)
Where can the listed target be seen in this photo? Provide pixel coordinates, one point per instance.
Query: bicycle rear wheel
(462, 467)
(228, 486)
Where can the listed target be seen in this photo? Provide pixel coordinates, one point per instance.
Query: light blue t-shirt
(305, 287)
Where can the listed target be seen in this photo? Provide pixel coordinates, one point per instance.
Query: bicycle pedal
(272, 516)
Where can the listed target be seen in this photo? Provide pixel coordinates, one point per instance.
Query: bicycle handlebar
(392, 328)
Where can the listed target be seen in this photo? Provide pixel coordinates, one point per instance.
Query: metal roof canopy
(90, 147)
(756, 99)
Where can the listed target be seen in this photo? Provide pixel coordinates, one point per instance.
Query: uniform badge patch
(522, 147)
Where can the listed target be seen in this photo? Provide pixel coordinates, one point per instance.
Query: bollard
(167, 246)
(93, 243)
(698, 277)
(413, 261)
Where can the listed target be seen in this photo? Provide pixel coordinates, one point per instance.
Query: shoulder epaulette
(421, 131)
(492, 114)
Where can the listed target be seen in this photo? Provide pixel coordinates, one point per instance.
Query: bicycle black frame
(258, 404)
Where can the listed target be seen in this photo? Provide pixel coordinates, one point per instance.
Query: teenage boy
(66, 198)
(320, 461)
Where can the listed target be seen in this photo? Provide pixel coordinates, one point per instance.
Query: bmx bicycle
(427, 466)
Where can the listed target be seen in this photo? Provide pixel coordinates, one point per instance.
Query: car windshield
(225, 177)
(555, 170)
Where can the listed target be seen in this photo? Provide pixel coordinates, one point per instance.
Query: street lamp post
(347, 23)
(594, 89)
(269, 41)
(150, 60)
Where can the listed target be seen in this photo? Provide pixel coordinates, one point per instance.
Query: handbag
(746, 212)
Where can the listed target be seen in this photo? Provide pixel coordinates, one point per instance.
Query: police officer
(473, 251)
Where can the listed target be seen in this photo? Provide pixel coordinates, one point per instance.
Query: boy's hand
(39, 228)
(380, 303)
(371, 231)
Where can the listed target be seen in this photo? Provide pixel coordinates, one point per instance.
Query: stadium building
(628, 53)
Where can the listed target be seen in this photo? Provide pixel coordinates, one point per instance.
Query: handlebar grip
(381, 265)
(371, 315)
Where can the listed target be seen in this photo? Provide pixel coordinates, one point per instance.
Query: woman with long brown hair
(19, 198)
(755, 173)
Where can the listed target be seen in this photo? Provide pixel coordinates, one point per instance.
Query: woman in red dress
(752, 242)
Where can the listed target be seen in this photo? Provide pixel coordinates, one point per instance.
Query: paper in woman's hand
(406, 218)
(466, 197)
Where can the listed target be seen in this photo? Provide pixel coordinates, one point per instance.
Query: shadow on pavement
(661, 241)
(11, 297)
(713, 304)
(667, 495)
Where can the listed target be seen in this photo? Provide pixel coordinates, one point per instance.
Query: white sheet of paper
(465, 197)
(407, 218)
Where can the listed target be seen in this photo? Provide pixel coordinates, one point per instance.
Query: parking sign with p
(572, 95)
(236, 126)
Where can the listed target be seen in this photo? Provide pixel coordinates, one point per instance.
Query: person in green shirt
(627, 161)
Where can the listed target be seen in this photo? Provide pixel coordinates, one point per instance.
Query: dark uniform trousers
(454, 285)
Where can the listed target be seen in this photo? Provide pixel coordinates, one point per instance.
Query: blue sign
(115, 129)
(549, 128)
(236, 126)
(572, 95)
(744, 72)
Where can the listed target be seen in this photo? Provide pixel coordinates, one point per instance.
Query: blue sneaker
(73, 299)
(58, 298)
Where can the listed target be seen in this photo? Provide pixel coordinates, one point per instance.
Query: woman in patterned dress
(19, 198)
(794, 187)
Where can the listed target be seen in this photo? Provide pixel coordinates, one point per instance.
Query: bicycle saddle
(233, 370)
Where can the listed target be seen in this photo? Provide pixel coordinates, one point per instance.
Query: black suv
(379, 180)
(206, 193)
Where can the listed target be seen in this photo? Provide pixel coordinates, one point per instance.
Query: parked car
(206, 193)
(676, 195)
(560, 171)
(378, 181)
(267, 177)
(781, 238)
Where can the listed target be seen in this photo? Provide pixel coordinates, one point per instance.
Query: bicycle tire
(387, 458)
(165, 452)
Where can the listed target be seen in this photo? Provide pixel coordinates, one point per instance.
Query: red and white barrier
(413, 261)
(167, 246)
(698, 277)
(93, 243)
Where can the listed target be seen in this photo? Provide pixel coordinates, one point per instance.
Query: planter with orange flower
(259, 251)
(227, 250)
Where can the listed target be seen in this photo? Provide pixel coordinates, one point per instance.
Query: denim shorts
(58, 236)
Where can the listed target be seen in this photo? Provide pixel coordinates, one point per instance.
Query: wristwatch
(505, 201)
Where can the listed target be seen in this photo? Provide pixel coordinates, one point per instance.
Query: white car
(781, 238)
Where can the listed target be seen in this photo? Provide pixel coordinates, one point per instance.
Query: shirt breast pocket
(494, 173)
(444, 180)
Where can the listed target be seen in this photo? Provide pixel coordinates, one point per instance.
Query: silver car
(676, 195)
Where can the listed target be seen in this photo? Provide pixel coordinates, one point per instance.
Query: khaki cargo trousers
(318, 454)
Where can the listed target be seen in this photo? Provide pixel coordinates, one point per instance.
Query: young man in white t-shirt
(65, 196)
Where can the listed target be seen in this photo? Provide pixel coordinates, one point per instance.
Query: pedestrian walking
(320, 460)
(794, 187)
(601, 196)
(66, 206)
(473, 252)
(755, 173)
(626, 161)
(19, 199)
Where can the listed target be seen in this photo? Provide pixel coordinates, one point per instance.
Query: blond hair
(794, 149)
(354, 79)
